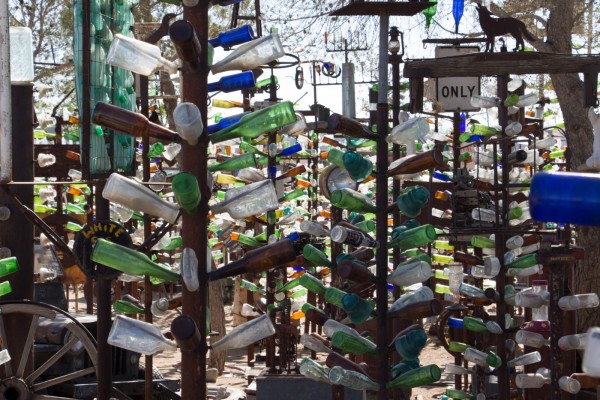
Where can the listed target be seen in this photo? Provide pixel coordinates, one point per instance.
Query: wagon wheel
(15, 384)
(443, 330)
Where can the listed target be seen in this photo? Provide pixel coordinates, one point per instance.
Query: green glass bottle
(261, 121)
(366, 226)
(336, 157)
(414, 237)
(483, 242)
(458, 394)
(245, 239)
(358, 167)
(458, 347)
(248, 148)
(244, 284)
(352, 200)
(73, 226)
(525, 261)
(483, 130)
(474, 324)
(156, 150)
(404, 366)
(5, 288)
(235, 163)
(42, 209)
(313, 284)
(175, 243)
(289, 285)
(334, 296)
(8, 266)
(356, 345)
(125, 307)
(357, 308)
(186, 190)
(417, 377)
(75, 208)
(315, 256)
(294, 194)
(129, 261)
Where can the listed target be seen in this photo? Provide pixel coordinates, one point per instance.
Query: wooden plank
(492, 64)
(381, 8)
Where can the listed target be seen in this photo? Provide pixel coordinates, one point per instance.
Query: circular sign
(84, 245)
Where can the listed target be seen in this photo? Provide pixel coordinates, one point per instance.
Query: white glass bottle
(569, 385)
(313, 344)
(138, 336)
(245, 334)
(188, 120)
(159, 307)
(421, 294)
(245, 201)
(573, 342)
(525, 359)
(578, 301)
(251, 54)
(138, 56)
(313, 228)
(134, 195)
(532, 339)
(411, 273)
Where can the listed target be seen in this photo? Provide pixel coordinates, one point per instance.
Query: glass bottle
(313, 370)
(471, 291)
(421, 294)
(233, 37)
(188, 122)
(353, 237)
(138, 56)
(350, 127)
(8, 266)
(351, 379)
(485, 102)
(533, 339)
(416, 163)
(334, 296)
(251, 125)
(189, 269)
(226, 122)
(359, 168)
(258, 260)
(314, 228)
(540, 287)
(125, 307)
(159, 307)
(235, 163)
(531, 381)
(417, 377)
(411, 200)
(315, 256)
(336, 157)
(253, 199)
(414, 237)
(131, 123)
(458, 394)
(410, 342)
(332, 326)
(408, 131)
(358, 309)
(133, 195)
(525, 359)
(186, 190)
(246, 334)
(251, 54)
(355, 271)
(411, 273)
(356, 345)
(578, 301)
(232, 83)
(129, 261)
(482, 359)
(138, 336)
(573, 342)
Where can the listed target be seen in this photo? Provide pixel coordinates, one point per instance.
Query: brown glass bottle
(257, 260)
(315, 316)
(300, 169)
(336, 359)
(348, 269)
(332, 142)
(418, 310)
(468, 259)
(419, 163)
(131, 123)
(363, 254)
(186, 44)
(350, 127)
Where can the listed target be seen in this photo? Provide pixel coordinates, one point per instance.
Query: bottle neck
(419, 163)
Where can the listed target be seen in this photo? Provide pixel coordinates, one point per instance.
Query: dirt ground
(237, 373)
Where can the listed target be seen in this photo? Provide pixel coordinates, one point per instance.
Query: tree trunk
(217, 323)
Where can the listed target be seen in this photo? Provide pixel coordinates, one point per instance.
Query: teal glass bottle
(409, 345)
(411, 200)
(358, 167)
(357, 308)
(404, 366)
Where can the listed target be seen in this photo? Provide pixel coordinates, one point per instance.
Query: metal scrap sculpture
(493, 27)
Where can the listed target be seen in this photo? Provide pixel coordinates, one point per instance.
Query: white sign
(454, 94)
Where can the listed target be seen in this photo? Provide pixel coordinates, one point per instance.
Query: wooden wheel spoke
(28, 347)
(7, 365)
(63, 378)
(55, 357)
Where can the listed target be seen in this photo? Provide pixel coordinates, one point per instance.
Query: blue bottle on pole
(232, 37)
(225, 122)
(231, 83)
(565, 197)
(288, 151)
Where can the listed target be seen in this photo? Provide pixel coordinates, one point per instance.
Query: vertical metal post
(381, 202)
(5, 98)
(194, 226)
(348, 97)
(337, 391)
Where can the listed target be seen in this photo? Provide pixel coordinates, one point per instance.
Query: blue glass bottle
(225, 122)
(288, 151)
(410, 345)
(565, 197)
(231, 83)
(232, 37)
(224, 3)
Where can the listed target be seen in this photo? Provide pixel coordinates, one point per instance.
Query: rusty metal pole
(381, 202)
(194, 226)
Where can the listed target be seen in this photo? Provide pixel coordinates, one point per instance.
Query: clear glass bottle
(138, 56)
(251, 54)
(351, 379)
(410, 274)
(138, 336)
(253, 199)
(357, 238)
(578, 301)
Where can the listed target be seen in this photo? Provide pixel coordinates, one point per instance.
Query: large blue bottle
(232, 37)
(566, 197)
(231, 83)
